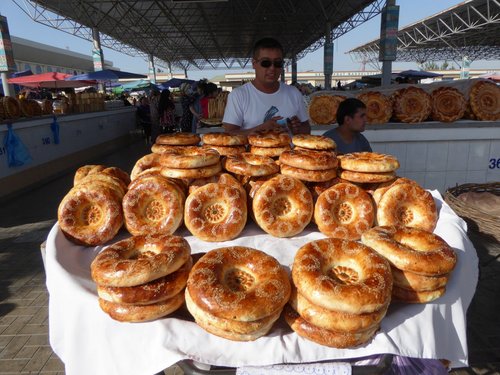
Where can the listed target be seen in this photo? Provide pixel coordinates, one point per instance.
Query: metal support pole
(7, 64)
(294, 69)
(152, 69)
(388, 39)
(328, 57)
(8, 90)
(97, 54)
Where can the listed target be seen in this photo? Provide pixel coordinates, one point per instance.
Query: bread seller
(265, 103)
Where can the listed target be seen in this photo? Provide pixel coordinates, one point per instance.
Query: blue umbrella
(174, 82)
(418, 74)
(106, 75)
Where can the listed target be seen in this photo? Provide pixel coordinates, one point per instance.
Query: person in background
(144, 118)
(125, 100)
(261, 103)
(166, 109)
(351, 117)
(154, 100)
(186, 123)
(209, 91)
(195, 106)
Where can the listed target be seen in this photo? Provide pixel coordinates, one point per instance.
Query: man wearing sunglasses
(265, 103)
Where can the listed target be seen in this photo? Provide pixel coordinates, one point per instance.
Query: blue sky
(21, 25)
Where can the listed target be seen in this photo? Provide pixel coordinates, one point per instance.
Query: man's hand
(298, 127)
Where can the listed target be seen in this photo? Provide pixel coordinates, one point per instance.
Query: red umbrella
(52, 80)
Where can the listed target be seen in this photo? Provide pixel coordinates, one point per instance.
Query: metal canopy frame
(471, 29)
(212, 34)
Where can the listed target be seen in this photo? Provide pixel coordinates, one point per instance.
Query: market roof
(203, 33)
(470, 29)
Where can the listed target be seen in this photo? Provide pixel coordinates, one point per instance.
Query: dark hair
(348, 107)
(209, 88)
(165, 102)
(266, 43)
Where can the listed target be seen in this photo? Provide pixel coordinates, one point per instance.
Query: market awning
(52, 80)
(106, 75)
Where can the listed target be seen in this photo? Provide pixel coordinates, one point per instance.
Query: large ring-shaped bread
(153, 204)
(11, 107)
(307, 174)
(152, 292)
(220, 178)
(146, 162)
(216, 212)
(239, 283)
(366, 177)
(416, 282)
(314, 142)
(226, 150)
(342, 275)
(372, 162)
(448, 104)
(380, 189)
(378, 107)
(85, 170)
(270, 152)
(269, 138)
(104, 180)
(310, 160)
(282, 206)
(326, 337)
(224, 139)
(413, 296)
(411, 249)
(248, 164)
(160, 149)
(178, 139)
(484, 99)
(189, 157)
(411, 104)
(344, 211)
(141, 313)
(323, 108)
(407, 205)
(90, 214)
(202, 172)
(139, 259)
(334, 320)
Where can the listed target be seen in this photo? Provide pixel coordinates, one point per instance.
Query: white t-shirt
(248, 107)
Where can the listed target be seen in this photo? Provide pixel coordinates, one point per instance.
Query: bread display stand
(88, 341)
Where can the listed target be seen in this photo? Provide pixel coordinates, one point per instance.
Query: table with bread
(236, 258)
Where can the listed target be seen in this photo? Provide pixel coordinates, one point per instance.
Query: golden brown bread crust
(248, 164)
(416, 282)
(326, 337)
(153, 205)
(216, 212)
(408, 205)
(269, 138)
(201, 172)
(342, 275)
(310, 160)
(484, 99)
(146, 162)
(314, 142)
(160, 149)
(448, 104)
(308, 175)
(334, 320)
(189, 157)
(226, 150)
(381, 188)
(344, 211)
(366, 177)
(282, 206)
(85, 170)
(323, 108)
(239, 283)
(224, 139)
(411, 104)
(412, 249)
(270, 152)
(152, 292)
(371, 162)
(412, 296)
(220, 178)
(178, 139)
(378, 107)
(139, 259)
(141, 313)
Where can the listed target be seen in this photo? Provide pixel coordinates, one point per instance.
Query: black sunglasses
(265, 63)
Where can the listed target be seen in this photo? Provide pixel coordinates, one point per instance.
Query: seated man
(351, 117)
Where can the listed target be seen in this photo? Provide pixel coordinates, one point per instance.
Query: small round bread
(140, 259)
(153, 204)
(366, 177)
(90, 215)
(152, 292)
(239, 283)
(314, 142)
(216, 212)
(408, 205)
(248, 164)
(226, 150)
(412, 296)
(326, 337)
(411, 104)
(334, 320)
(412, 250)
(378, 107)
(189, 157)
(310, 160)
(224, 139)
(416, 282)
(202, 172)
(372, 162)
(141, 313)
(344, 211)
(282, 206)
(380, 190)
(269, 138)
(484, 99)
(160, 149)
(448, 104)
(230, 329)
(146, 162)
(307, 174)
(270, 152)
(342, 275)
(178, 139)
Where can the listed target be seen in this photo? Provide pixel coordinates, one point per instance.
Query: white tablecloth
(89, 342)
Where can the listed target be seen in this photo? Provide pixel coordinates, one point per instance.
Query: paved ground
(26, 219)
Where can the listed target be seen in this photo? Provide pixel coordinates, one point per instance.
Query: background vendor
(351, 117)
(265, 101)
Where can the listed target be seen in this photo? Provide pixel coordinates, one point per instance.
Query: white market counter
(82, 137)
(436, 155)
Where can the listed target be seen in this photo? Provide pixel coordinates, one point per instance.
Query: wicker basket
(477, 220)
